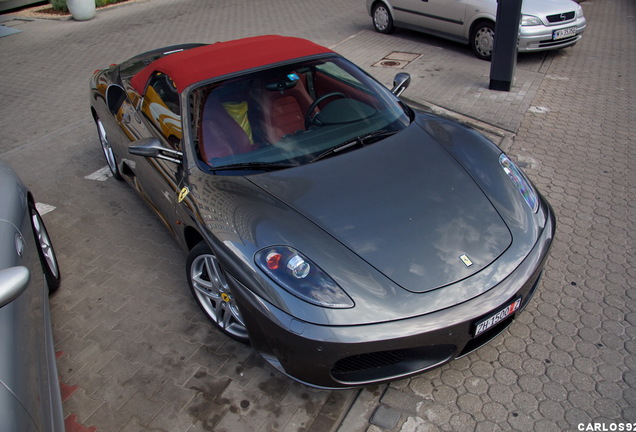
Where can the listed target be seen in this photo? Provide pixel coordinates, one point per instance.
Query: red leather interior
(284, 112)
(221, 135)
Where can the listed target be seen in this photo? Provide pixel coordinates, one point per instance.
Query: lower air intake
(382, 365)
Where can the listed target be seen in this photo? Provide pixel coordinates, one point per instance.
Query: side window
(161, 106)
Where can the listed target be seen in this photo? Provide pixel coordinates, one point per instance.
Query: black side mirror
(400, 83)
(152, 147)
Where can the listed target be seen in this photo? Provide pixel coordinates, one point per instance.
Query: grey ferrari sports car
(29, 389)
(350, 239)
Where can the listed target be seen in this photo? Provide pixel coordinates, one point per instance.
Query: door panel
(408, 12)
(159, 180)
(446, 16)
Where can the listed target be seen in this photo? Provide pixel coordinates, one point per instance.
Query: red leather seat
(221, 135)
(283, 112)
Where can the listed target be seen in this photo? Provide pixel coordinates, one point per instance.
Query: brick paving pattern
(136, 354)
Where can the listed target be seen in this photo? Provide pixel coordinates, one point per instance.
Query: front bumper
(540, 38)
(347, 356)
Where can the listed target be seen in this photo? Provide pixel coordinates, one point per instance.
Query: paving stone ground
(136, 354)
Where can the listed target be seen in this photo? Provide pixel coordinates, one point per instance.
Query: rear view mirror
(400, 83)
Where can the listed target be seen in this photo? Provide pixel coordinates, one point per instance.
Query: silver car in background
(7, 5)
(545, 24)
(29, 388)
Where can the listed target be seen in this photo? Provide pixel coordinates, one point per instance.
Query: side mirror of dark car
(400, 83)
(13, 282)
(152, 147)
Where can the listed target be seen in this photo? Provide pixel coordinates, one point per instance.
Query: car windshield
(292, 115)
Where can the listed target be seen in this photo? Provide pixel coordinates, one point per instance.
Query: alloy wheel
(45, 245)
(211, 289)
(106, 148)
(45, 250)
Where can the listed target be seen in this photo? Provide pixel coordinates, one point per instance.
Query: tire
(107, 149)
(382, 19)
(48, 259)
(210, 289)
(482, 39)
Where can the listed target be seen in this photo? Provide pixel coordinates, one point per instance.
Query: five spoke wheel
(211, 290)
(45, 250)
(107, 149)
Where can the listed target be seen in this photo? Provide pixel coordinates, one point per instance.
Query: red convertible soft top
(222, 58)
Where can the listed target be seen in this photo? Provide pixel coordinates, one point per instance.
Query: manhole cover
(397, 60)
(396, 64)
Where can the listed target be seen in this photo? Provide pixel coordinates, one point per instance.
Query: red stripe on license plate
(494, 319)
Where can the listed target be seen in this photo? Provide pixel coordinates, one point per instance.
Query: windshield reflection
(288, 115)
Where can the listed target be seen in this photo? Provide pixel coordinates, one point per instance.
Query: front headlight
(301, 277)
(579, 12)
(519, 179)
(530, 20)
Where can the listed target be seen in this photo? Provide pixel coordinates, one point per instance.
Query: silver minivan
(545, 24)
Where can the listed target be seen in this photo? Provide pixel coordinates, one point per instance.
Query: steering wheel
(308, 117)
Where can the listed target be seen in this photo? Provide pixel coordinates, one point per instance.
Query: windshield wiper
(359, 140)
(265, 166)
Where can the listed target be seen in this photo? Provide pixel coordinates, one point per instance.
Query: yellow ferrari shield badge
(467, 262)
(183, 193)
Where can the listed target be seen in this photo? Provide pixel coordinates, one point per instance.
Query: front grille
(557, 18)
(382, 365)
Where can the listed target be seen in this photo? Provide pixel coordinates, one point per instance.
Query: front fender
(480, 158)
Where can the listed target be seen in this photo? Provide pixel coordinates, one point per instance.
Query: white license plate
(494, 319)
(563, 33)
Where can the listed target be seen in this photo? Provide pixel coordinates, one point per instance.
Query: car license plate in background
(563, 33)
(494, 319)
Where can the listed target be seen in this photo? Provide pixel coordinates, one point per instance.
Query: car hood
(404, 205)
(547, 7)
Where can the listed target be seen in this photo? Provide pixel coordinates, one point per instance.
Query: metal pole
(504, 54)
